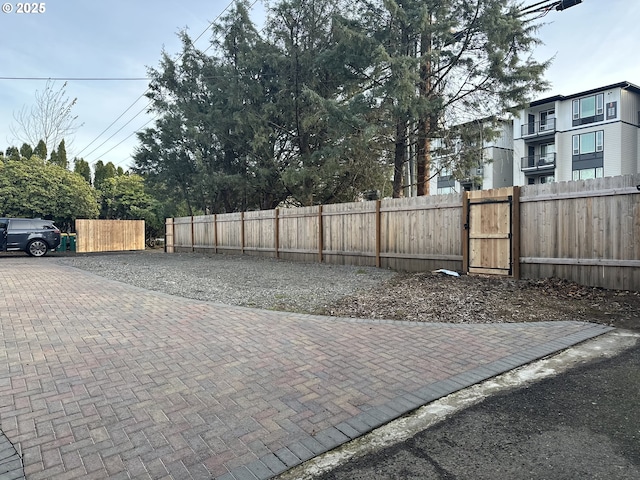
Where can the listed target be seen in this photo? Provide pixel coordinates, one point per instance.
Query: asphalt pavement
(581, 424)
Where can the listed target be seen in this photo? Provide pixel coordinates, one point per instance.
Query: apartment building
(590, 134)
(491, 164)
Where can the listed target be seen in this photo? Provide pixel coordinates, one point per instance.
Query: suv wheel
(37, 248)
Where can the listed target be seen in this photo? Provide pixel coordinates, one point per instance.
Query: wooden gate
(490, 243)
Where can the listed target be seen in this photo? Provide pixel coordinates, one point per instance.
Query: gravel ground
(235, 279)
(363, 291)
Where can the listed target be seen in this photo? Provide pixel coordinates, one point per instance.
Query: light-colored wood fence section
(169, 241)
(230, 232)
(109, 235)
(298, 233)
(259, 232)
(202, 232)
(421, 233)
(490, 230)
(586, 231)
(183, 233)
(349, 233)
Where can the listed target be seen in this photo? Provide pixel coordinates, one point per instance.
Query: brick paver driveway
(99, 379)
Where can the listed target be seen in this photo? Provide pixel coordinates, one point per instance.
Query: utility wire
(111, 125)
(212, 23)
(80, 79)
(120, 129)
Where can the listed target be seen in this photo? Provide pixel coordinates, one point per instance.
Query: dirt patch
(427, 297)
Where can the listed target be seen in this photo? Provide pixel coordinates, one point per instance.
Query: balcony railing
(539, 128)
(539, 162)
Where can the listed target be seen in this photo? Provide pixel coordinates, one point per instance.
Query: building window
(446, 190)
(547, 120)
(541, 179)
(588, 109)
(588, 173)
(586, 143)
(547, 154)
(588, 154)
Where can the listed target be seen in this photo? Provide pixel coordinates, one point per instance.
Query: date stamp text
(24, 8)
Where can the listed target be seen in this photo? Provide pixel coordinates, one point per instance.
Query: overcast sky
(594, 44)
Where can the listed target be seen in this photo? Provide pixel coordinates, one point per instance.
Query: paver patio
(99, 379)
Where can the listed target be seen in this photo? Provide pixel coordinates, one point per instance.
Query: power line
(127, 138)
(120, 129)
(80, 79)
(212, 23)
(111, 125)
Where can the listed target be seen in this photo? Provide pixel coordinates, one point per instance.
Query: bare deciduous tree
(50, 119)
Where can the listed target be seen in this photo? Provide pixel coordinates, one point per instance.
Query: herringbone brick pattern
(99, 379)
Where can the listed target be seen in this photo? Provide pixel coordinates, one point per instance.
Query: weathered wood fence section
(109, 235)
(404, 234)
(587, 231)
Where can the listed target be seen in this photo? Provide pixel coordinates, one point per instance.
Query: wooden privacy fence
(109, 235)
(586, 231)
(411, 234)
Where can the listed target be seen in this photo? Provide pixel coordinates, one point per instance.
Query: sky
(592, 44)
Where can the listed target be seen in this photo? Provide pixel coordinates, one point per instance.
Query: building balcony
(538, 129)
(533, 163)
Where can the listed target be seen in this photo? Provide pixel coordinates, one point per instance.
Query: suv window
(20, 224)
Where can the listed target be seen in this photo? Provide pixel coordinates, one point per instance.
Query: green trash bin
(72, 242)
(64, 241)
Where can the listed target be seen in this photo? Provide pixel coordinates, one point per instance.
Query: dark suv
(32, 235)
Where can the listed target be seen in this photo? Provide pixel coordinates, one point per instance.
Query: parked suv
(32, 235)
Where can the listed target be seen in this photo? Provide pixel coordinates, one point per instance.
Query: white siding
(499, 173)
(564, 157)
(629, 107)
(519, 151)
(629, 149)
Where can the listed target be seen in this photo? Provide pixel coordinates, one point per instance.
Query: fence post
(276, 232)
(515, 234)
(215, 233)
(378, 233)
(242, 233)
(320, 234)
(193, 248)
(465, 232)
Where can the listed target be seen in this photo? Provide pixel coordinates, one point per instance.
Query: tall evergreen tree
(13, 153)
(62, 155)
(317, 108)
(26, 150)
(53, 157)
(102, 172)
(450, 62)
(41, 150)
(81, 167)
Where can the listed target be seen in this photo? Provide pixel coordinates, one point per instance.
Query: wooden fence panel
(183, 234)
(109, 235)
(259, 233)
(298, 233)
(230, 232)
(349, 233)
(421, 233)
(586, 231)
(203, 228)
